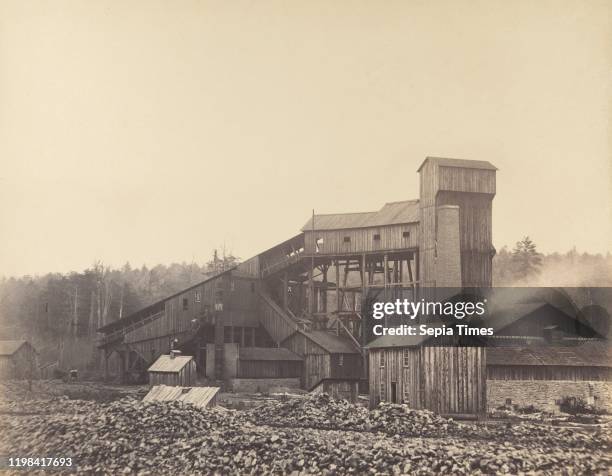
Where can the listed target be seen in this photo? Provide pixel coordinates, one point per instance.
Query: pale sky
(152, 132)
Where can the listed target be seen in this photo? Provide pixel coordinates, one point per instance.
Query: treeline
(523, 265)
(55, 310)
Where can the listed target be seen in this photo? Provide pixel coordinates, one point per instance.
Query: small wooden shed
(173, 370)
(18, 360)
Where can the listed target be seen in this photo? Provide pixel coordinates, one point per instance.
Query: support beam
(338, 292)
(285, 290)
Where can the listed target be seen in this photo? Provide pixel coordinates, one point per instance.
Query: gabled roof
(584, 354)
(9, 347)
(165, 363)
(266, 353)
(392, 213)
(502, 318)
(331, 343)
(461, 163)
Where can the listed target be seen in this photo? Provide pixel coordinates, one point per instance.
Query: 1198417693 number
(39, 462)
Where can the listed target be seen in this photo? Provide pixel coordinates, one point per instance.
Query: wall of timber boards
(240, 308)
(442, 379)
(186, 377)
(317, 361)
(361, 240)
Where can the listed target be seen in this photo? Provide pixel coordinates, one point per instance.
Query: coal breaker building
(307, 295)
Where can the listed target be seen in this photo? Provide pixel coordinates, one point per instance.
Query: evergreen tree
(525, 261)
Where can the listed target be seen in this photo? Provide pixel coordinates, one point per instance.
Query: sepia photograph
(306, 238)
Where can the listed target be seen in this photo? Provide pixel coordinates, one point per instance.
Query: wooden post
(285, 290)
(324, 270)
(338, 295)
(385, 277)
(106, 355)
(411, 278)
(310, 292)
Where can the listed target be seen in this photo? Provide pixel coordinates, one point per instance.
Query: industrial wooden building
(447, 379)
(18, 360)
(308, 293)
(173, 370)
(268, 362)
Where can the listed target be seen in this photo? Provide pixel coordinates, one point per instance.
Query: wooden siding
(339, 389)
(548, 372)
(316, 368)
(319, 364)
(317, 361)
(269, 369)
(447, 380)
(458, 179)
(351, 366)
(274, 320)
(362, 239)
(186, 377)
(240, 309)
(475, 235)
(249, 267)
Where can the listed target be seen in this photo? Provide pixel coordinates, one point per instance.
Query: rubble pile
(394, 419)
(134, 437)
(318, 411)
(322, 412)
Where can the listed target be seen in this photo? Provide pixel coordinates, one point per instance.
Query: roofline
(456, 158)
(23, 342)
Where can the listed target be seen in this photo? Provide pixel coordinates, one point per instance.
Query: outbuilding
(18, 360)
(449, 380)
(173, 370)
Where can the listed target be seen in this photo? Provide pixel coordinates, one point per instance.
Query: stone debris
(330, 437)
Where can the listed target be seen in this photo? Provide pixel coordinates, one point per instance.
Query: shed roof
(460, 163)
(199, 396)
(9, 347)
(267, 353)
(392, 213)
(331, 343)
(165, 363)
(584, 354)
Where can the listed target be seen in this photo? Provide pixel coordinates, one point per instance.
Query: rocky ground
(314, 435)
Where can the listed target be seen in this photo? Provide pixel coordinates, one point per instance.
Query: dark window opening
(252, 287)
(347, 239)
(406, 234)
(376, 237)
(185, 304)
